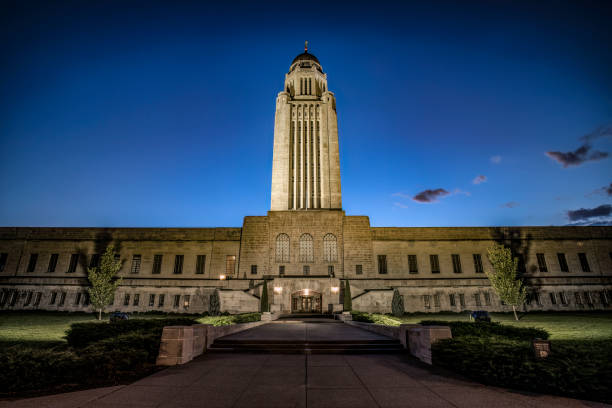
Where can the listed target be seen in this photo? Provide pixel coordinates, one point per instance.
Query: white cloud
(400, 205)
(496, 159)
(479, 179)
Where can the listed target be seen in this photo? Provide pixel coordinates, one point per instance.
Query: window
(160, 303)
(451, 299)
(330, 250)
(178, 264)
(521, 267)
(487, 297)
(281, 270)
(62, 299)
(52, 262)
(306, 253)
(74, 261)
(77, 299)
(578, 298)
(562, 298)
(427, 301)
(135, 264)
(94, 261)
(330, 270)
(3, 258)
(477, 299)
(584, 263)
(157, 263)
(3, 297)
(230, 264)
(28, 299)
(542, 263)
(478, 263)
(200, 262)
(437, 300)
(126, 300)
(462, 300)
(562, 262)
(136, 299)
(588, 298)
(435, 263)
(553, 298)
(32, 262)
(604, 298)
(412, 264)
(14, 297)
(382, 264)
(151, 300)
(186, 301)
(456, 263)
(306, 269)
(358, 269)
(536, 297)
(53, 297)
(176, 301)
(282, 248)
(253, 269)
(87, 300)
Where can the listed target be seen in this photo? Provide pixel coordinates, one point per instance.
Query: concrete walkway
(289, 380)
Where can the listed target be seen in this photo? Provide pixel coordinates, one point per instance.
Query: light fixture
(334, 289)
(306, 292)
(278, 289)
(221, 277)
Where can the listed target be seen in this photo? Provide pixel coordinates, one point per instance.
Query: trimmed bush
(485, 329)
(82, 334)
(397, 304)
(232, 319)
(375, 318)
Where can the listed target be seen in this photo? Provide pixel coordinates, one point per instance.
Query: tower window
(478, 263)
(562, 262)
(157, 263)
(282, 248)
(306, 251)
(435, 263)
(358, 269)
(330, 249)
(253, 269)
(306, 269)
(52, 262)
(135, 264)
(382, 264)
(281, 270)
(32, 262)
(230, 264)
(412, 264)
(542, 263)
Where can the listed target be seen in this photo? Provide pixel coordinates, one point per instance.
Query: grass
(48, 328)
(560, 325)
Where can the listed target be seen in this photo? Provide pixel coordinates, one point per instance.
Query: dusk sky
(147, 114)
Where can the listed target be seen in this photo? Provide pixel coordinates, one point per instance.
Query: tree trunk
(514, 310)
(100, 314)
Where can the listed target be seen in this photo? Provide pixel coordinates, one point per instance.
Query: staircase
(307, 347)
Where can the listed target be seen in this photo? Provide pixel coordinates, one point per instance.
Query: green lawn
(561, 325)
(48, 328)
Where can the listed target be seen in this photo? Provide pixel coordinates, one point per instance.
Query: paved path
(289, 380)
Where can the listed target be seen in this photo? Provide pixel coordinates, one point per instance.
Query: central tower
(306, 162)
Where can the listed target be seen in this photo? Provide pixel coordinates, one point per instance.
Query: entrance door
(306, 301)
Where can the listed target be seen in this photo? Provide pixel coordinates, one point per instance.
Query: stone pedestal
(176, 345)
(421, 338)
(403, 333)
(344, 316)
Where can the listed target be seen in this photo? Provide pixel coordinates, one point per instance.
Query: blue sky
(123, 113)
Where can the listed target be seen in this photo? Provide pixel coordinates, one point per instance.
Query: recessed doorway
(306, 301)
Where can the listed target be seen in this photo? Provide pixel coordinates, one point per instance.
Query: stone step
(298, 347)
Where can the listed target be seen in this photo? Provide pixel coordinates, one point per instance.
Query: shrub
(348, 299)
(82, 334)
(397, 304)
(214, 306)
(375, 318)
(485, 329)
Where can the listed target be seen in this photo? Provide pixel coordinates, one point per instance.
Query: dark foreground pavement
(295, 380)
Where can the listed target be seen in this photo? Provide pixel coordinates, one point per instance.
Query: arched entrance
(306, 301)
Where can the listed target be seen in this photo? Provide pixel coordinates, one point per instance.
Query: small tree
(214, 307)
(503, 278)
(397, 304)
(265, 307)
(348, 300)
(104, 280)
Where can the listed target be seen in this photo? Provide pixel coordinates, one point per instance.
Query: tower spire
(306, 46)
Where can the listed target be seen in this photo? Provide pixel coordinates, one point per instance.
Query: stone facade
(305, 247)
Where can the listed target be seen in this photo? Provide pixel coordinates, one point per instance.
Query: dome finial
(306, 46)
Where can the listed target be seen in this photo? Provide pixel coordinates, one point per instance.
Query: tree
(503, 278)
(265, 307)
(397, 304)
(214, 307)
(348, 300)
(104, 280)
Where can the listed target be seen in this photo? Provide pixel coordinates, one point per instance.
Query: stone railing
(181, 344)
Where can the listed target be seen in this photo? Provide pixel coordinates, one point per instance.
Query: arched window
(282, 248)
(330, 248)
(306, 252)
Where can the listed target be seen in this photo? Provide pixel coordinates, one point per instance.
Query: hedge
(485, 329)
(82, 334)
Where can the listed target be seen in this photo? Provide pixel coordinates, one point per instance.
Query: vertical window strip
(52, 262)
(412, 264)
(541, 262)
(562, 262)
(32, 262)
(135, 264)
(157, 264)
(456, 263)
(478, 263)
(200, 264)
(178, 265)
(584, 263)
(435, 263)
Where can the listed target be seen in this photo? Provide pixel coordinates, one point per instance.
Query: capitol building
(306, 247)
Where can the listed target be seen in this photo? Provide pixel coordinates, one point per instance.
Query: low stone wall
(421, 338)
(181, 344)
(396, 332)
